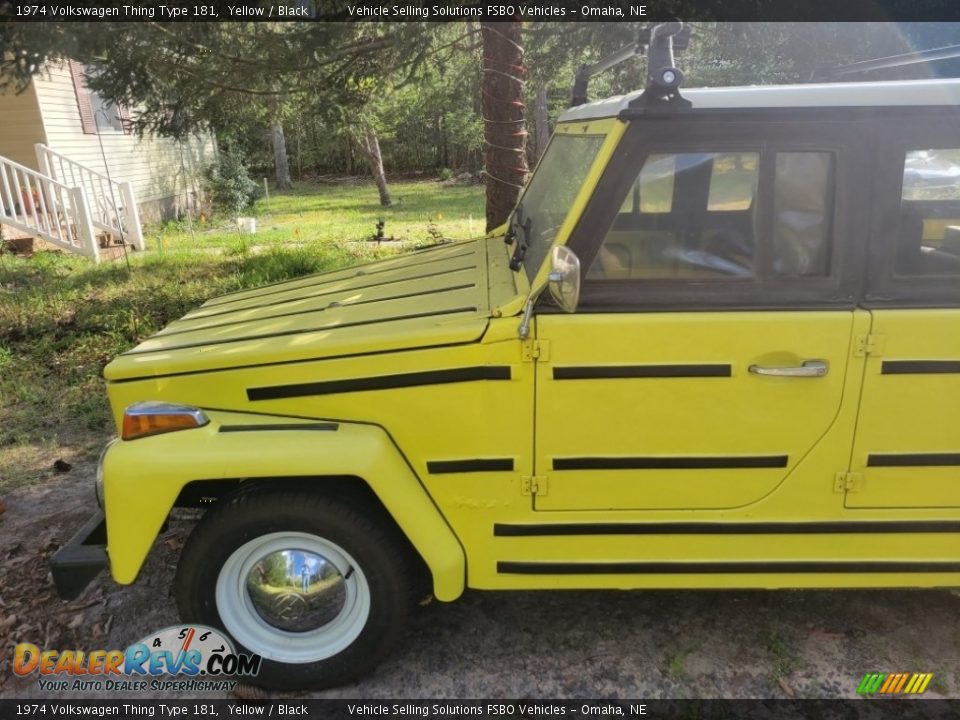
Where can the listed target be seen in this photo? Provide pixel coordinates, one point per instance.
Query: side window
(696, 216)
(802, 213)
(928, 232)
(686, 216)
(733, 182)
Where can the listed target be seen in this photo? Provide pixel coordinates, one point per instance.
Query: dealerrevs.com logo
(201, 654)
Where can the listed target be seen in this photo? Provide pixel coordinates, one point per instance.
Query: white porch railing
(113, 204)
(43, 207)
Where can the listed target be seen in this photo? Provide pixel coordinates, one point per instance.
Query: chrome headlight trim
(158, 407)
(98, 481)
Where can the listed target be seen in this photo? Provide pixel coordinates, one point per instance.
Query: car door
(907, 451)
(708, 358)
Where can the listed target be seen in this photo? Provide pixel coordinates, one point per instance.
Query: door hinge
(868, 345)
(535, 350)
(533, 485)
(847, 482)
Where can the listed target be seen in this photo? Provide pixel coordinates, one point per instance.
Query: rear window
(928, 233)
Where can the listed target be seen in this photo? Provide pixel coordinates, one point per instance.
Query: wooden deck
(22, 245)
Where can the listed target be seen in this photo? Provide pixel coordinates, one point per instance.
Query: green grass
(62, 319)
(421, 212)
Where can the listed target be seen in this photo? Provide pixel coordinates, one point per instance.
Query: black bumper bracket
(78, 562)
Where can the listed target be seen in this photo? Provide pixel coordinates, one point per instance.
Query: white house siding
(20, 126)
(162, 182)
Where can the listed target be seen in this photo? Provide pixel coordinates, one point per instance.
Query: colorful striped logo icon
(894, 683)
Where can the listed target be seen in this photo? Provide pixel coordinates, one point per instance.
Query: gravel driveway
(643, 644)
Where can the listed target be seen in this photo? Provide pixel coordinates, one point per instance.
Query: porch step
(23, 243)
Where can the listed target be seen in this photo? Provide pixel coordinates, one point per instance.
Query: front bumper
(78, 562)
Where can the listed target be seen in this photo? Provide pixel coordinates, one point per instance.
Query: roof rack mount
(657, 42)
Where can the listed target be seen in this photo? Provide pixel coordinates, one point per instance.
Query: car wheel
(314, 585)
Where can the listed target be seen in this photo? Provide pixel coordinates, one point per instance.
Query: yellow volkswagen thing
(717, 345)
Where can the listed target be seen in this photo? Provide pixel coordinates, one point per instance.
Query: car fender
(142, 479)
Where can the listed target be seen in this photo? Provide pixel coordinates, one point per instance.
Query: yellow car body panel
(434, 297)
(138, 495)
(909, 412)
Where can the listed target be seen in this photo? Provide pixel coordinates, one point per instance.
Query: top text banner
(446, 11)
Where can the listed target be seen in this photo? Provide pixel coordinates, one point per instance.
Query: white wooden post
(132, 215)
(43, 160)
(43, 165)
(84, 221)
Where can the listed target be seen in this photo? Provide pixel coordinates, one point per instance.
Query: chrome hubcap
(296, 590)
(272, 607)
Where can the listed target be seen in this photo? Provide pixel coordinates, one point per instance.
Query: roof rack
(657, 42)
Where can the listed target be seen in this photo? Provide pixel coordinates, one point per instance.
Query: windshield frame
(611, 130)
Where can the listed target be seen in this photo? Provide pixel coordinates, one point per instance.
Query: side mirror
(564, 278)
(563, 281)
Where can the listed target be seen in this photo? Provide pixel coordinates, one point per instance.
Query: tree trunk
(370, 146)
(280, 157)
(541, 123)
(505, 157)
(299, 151)
(348, 143)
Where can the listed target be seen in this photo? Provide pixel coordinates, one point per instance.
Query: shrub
(229, 185)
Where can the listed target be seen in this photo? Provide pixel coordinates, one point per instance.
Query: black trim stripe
(442, 467)
(303, 331)
(726, 528)
(332, 306)
(382, 382)
(913, 460)
(195, 314)
(919, 367)
(692, 568)
(607, 372)
(670, 463)
(254, 292)
(280, 363)
(278, 426)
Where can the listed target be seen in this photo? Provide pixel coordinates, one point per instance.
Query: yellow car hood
(427, 298)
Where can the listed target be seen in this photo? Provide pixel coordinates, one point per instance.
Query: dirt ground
(806, 644)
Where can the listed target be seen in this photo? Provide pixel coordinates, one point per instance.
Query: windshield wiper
(519, 223)
(511, 234)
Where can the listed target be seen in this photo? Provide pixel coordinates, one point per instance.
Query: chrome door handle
(811, 368)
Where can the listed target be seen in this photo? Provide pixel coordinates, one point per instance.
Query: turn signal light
(152, 418)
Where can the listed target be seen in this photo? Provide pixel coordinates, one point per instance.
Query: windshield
(549, 195)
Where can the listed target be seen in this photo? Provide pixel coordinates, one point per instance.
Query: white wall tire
(364, 557)
(241, 619)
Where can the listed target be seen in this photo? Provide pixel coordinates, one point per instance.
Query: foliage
(312, 213)
(417, 84)
(229, 183)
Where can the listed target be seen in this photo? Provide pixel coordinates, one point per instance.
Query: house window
(106, 114)
(98, 115)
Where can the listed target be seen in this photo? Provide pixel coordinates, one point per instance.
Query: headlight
(152, 418)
